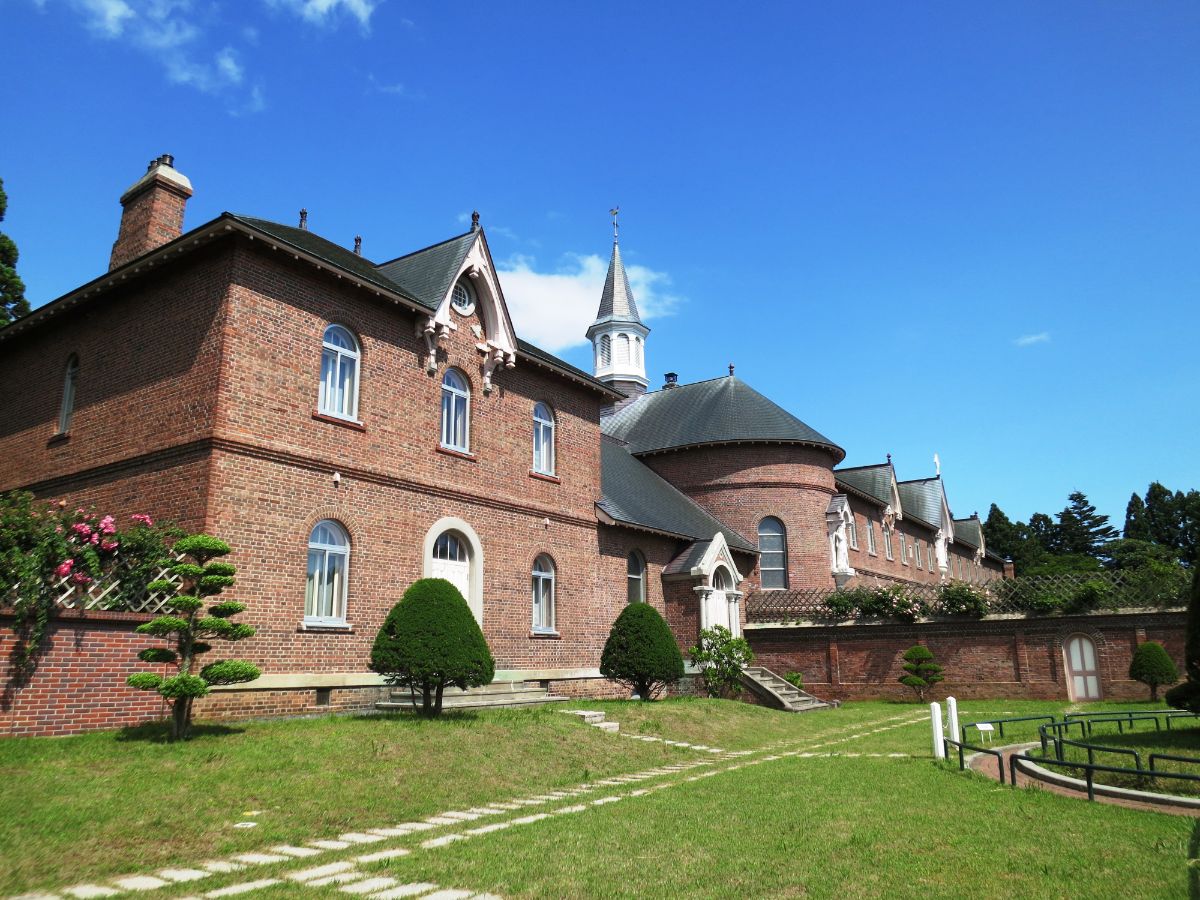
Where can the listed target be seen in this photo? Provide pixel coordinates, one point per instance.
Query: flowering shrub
(960, 599)
(891, 602)
(44, 545)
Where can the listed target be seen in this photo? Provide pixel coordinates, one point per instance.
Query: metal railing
(1039, 595)
(960, 746)
(1090, 770)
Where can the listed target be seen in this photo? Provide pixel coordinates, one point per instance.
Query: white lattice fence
(105, 593)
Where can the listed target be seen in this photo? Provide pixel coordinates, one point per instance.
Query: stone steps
(497, 695)
(780, 692)
(595, 719)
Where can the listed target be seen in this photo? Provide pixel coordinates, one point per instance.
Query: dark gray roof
(874, 481)
(635, 495)
(616, 301)
(537, 353)
(428, 274)
(720, 411)
(921, 499)
(968, 532)
(687, 559)
(317, 246)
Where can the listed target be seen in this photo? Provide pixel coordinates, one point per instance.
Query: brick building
(351, 426)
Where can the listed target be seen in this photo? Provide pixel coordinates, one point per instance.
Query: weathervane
(614, 212)
(937, 465)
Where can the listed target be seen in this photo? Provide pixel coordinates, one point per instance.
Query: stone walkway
(362, 874)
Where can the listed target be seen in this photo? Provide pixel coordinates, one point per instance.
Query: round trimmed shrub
(641, 652)
(430, 639)
(1153, 667)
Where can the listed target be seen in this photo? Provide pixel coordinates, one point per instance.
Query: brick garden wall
(1017, 658)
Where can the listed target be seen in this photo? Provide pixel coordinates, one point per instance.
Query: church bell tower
(618, 336)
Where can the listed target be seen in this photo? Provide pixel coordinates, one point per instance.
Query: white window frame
(888, 549)
(872, 548)
(66, 409)
(313, 588)
(917, 555)
(456, 402)
(929, 556)
(544, 429)
(463, 286)
(635, 594)
(331, 399)
(605, 351)
(852, 531)
(544, 579)
(783, 552)
(903, 548)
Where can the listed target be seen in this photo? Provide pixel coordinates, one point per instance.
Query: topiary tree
(1153, 667)
(641, 651)
(188, 629)
(1187, 695)
(721, 657)
(430, 639)
(921, 672)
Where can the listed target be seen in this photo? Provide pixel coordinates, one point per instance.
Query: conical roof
(616, 301)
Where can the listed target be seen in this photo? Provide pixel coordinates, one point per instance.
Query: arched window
(605, 351)
(622, 349)
(456, 411)
(448, 547)
(67, 408)
(543, 594)
(772, 550)
(887, 543)
(338, 395)
(637, 350)
(871, 548)
(543, 439)
(635, 578)
(852, 531)
(462, 297)
(328, 569)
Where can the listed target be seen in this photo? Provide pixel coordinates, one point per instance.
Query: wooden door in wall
(717, 601)
(1083, 670)
(452, 561)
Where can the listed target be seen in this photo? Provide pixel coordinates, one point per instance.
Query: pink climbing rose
(107, 525)
(143, 519)
(81, 578)
(64, 568)
(108, 546)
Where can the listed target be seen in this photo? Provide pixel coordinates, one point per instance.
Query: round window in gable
(462, 298)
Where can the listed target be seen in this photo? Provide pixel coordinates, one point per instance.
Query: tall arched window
(605, 350)
(635, 578)
(456, 411)
(772, 550)
(328, 569)
(622, 349)
(637, 350)
(338, 394)
(543, 439)
(67, 408)
(543, 594)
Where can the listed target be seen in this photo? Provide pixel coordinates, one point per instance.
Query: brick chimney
(152, 211)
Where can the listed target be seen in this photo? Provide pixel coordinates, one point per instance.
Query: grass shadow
(160, 732)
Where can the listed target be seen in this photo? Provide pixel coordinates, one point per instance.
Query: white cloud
(554, 309)
(325, 12)
(107, 16)
(228, 67)
(1028, 340)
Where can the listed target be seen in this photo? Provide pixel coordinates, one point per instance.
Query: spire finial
(358, 245)
(614, 212)
(475, 220)
(731, 370)
(304, 219)
(937, 466)
(889, 459)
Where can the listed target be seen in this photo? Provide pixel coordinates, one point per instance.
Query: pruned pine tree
(188, 627)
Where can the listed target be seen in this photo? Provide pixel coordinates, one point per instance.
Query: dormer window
(462, 298)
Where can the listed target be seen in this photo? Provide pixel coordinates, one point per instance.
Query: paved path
(340, 863)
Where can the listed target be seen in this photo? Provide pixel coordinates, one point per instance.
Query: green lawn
(86, 808)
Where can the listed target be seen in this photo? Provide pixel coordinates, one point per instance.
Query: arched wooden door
(1083, 668)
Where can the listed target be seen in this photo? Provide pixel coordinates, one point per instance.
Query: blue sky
(956, 228)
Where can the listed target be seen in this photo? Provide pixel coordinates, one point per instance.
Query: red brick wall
(742, 484)
(1018, 658)
(79, 682)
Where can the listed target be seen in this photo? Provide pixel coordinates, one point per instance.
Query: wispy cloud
(329, 12)
(1028, 340)
(395, 88)
(553, 309)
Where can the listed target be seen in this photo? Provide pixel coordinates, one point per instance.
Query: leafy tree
(429, 640)
(1153, 667)
(1137, 526)
(1187, 695)
(188, 630)
(12, 289)
(1162, 515)
(721, 657)
(641, 651)
(1081, 530)
(921, 672)
(1152, 572)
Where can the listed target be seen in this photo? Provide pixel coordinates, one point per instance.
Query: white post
(935, 722)
(952, 715)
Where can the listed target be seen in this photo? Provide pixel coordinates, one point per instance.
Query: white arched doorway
(453, 552)
(1083, 668)
(717, 602)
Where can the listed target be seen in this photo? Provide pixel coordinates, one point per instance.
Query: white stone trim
(453, 523)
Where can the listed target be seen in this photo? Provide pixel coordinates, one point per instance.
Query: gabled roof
(633, 494)
(924, 499)
(524, 348)
(616, 300)
(428, 274)
(969, 532)
(875, 481)
(721, 411)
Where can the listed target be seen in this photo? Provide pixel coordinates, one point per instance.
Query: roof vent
(672, 380)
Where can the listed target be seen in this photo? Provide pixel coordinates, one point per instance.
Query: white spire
(618, 335)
